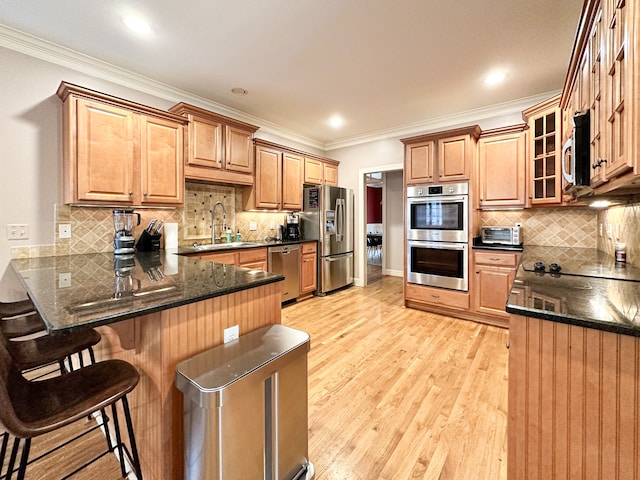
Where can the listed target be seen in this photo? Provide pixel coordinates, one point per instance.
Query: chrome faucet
(213, 221)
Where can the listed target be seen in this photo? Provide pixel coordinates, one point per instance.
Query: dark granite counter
(222, 247)
(591, 290)
(97, 289)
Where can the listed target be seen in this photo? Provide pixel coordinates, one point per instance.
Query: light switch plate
(253, 226)
(17, 231)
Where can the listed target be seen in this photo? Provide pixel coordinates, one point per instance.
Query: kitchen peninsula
(153, 310)
(574, 366)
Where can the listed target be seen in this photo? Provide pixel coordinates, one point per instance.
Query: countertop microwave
(501, 235)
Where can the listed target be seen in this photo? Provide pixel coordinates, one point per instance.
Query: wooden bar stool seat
(21, 307)
(22, 326)
(40, 351)
(29, 409)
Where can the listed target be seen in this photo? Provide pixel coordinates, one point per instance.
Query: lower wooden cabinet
(493, 274)
(308, 267)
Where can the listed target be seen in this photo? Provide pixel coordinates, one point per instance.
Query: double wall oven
(437, 235)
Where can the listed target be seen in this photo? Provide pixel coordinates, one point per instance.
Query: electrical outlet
(231, 333)
(17, 231)
(64, 280)
(253, 226)
(272, 225)
(64, 230)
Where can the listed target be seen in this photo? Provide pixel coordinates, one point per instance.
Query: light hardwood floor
(394, 393)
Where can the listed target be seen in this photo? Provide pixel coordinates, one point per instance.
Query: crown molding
(50, 52)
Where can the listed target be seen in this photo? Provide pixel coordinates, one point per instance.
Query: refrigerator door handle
(339, 219)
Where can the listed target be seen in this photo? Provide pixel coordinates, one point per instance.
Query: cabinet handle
(145, 194)
(131, 194)
(435, 296)
(494, 259)
(507, 345)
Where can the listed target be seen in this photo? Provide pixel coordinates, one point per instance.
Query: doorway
(380, 234)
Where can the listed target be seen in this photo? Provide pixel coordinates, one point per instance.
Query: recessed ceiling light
(336, 121)
(239, 91)
(494, 78)
(137, 24)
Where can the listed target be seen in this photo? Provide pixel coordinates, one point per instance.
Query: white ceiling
(382, 65)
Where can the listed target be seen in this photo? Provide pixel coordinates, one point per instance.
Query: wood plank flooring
(394, 393)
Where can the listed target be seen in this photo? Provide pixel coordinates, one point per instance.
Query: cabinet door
(308, 271)
(492, 289)
(161, 153)
(105, 152)
(502, 170)
(227, 258)
(313, 171)
(238, 150)
(454, 158)
(330, 174)
(544, 165)
(419, 162)
(268, 186)
(205, 136)
(595, 84)
(292, 180)
(618, 68)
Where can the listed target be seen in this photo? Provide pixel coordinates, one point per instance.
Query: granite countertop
(591, 291)
(96, 289)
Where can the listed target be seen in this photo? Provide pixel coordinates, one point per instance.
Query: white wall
(394, 224)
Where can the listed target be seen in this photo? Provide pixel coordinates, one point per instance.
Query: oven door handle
(438, 245)
(437, 199)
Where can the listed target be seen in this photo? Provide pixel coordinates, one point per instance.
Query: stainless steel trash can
(245, 408)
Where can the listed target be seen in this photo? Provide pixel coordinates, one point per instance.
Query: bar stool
(29, 409)
(21, 307)
(22, 325)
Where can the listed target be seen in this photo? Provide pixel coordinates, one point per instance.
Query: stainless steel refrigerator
(327, 216)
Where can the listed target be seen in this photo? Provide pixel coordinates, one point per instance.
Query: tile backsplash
(625, 227)
(92, 227)
(562, 227)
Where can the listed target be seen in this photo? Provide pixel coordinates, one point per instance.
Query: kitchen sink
(223, 246)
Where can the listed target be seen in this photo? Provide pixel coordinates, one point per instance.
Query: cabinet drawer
(437, 296)
(498, 259)
(228, 258)
(309, 247)
(252, 255)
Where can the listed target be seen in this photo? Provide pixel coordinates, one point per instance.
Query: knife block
(148, 242)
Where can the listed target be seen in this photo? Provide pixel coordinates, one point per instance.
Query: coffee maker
(292, 228)
(123, 223)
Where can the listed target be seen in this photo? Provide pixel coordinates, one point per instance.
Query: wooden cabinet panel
(251, 255)
(268, 184)
(118, 152)
(218, 148)
(419, 163)
(494, 272)
(308, 267)
(238, 150)
(330, 174)
(313, 171)
(501, 168)
(454, 158)
(573, 402)
(292, 181)
(105, 157)
(437, 296)
(228, 258)
(205, 143)
(544, 154)
(253, 258)
(162, 178)
(440, 157)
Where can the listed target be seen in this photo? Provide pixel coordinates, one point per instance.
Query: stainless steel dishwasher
(285, 260)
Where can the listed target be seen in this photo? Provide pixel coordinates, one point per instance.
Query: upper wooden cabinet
(279, 179)
(440, 157)
(545, 146)
(603, 79)
(118, 152)
(320, 171)
(501, 167)
(217, 148)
